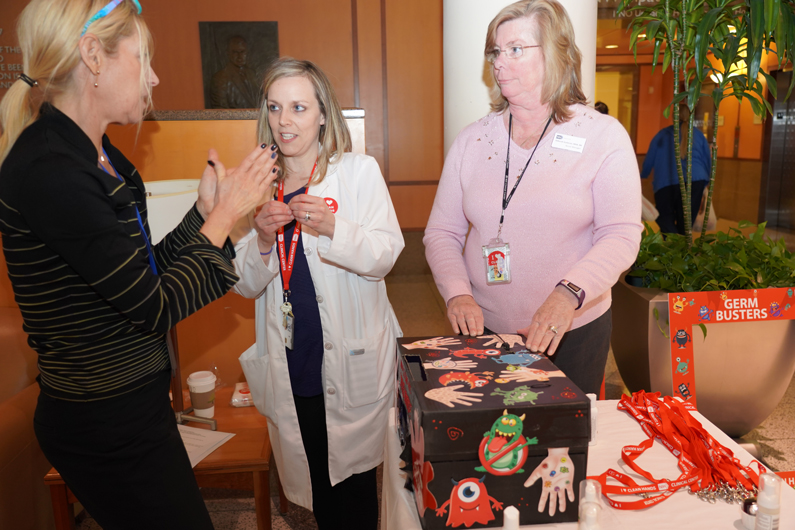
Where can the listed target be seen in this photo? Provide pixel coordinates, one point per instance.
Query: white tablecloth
(616, 429)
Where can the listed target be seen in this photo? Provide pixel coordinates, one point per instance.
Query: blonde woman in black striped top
(95, 296)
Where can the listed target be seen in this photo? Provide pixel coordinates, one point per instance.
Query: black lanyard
(505, 197)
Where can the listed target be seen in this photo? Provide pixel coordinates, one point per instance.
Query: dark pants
(668, 201)
(353, 503)
(123, 458)
(582, 353)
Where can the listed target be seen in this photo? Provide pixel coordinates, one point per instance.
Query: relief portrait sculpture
(236, 85)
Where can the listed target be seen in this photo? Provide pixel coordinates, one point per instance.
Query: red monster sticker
(332, 204)
(469, 504)
(473, 380)
(422, 471)
(480, 354)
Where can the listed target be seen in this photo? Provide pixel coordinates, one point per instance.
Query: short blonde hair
(562, 78)
(49, 32)
(335, 138)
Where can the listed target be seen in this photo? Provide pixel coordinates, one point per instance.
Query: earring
(95, 81)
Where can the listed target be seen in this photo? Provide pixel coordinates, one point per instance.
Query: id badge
(497, 258)
(288, 323)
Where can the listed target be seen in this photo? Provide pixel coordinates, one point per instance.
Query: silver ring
(308, 217)
(553, 329)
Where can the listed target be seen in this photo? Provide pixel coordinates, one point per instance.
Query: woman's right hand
(238, 191)
(268, 219)
(465, 315)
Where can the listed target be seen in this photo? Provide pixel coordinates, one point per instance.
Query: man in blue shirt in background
(661, 159)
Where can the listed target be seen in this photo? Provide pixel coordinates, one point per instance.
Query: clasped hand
(275, 214)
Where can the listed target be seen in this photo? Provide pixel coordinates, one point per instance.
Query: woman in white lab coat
(323, 367)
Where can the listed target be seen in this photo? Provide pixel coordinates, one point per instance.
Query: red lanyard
(286, 263)
(701, 458)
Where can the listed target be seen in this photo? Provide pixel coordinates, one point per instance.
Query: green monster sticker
(520, 394)
(503, 450)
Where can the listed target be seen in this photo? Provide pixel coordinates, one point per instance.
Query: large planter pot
(742, 369)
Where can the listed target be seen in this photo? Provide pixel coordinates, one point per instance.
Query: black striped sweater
(78, 263)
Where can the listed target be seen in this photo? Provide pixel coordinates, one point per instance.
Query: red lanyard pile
(707, 467)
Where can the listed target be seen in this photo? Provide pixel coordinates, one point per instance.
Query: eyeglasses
(513, 52)
(104, 12)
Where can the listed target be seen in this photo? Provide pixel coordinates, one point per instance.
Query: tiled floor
(421, 312)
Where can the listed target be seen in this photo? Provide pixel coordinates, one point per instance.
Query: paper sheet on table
(201, 442)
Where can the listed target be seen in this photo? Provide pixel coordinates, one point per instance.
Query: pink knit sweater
(574, 216)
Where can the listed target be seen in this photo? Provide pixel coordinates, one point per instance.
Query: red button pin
(332, 204)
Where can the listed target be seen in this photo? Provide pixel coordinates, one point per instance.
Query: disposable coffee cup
(202, 393)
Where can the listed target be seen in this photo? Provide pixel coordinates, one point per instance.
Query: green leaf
(703, 330)
(771, 85)
(656, 313)
(705, 27)
(755, 37)
(772, 8)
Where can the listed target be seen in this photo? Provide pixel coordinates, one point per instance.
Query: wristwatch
(579, 292)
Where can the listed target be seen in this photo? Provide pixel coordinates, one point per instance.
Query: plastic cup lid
(198, 378)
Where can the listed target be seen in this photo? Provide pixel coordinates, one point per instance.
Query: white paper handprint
(450, 396)
(524, 374)
(557, 473)
(435, 343)
(449, 364)
(499, 340)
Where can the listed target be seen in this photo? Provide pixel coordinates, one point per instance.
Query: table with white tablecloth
(616, 429)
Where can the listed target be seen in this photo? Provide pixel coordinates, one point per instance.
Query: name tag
(356, 352)
(569, 143)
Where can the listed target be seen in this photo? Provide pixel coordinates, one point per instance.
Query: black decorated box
(487, 425)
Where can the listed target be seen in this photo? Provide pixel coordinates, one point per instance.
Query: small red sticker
(332, 204)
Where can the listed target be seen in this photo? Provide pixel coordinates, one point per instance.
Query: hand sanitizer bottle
(768, 502)
(510, 518)
(590, 505)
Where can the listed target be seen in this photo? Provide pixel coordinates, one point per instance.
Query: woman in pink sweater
(551, 190)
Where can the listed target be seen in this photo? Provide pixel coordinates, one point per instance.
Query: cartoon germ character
(469, 504)
(520, 394)
(422, 471)
(684, 391)
(503, 450)
(682, 366)
(679, 304)
(775, 310)
(704, 313)
(521, 358)
(682, 337)
(474, 380)
(723, 296)
(480, 354)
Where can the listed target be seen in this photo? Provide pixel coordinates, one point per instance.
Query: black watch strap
(577, 291)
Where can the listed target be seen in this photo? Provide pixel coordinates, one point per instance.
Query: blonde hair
(562, 77)
(334, 137)
(48, 33)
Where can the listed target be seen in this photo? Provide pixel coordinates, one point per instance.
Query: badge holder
(497, 257)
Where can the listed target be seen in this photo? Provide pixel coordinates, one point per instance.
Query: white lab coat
(359, 328)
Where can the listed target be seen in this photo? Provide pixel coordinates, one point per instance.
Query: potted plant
(724, 40)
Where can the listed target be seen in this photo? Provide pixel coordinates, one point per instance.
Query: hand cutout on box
(523, 374)
(557, 473)
(499, 340)
(435, 343)
(450, 396)
(449, 364)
